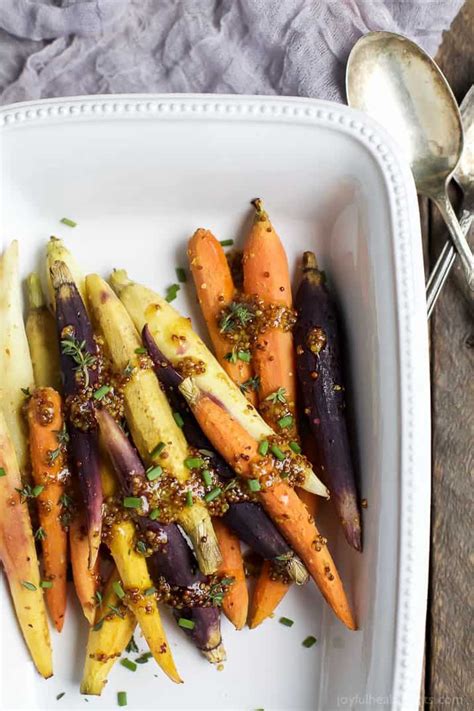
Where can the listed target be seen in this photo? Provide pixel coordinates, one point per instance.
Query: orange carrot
(266, 276)
(47, 458)
(235, 603)
(267, 595)
(280, 500)
(85, 578)
(215, 289)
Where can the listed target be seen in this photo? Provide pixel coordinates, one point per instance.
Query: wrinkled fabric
(291, 47)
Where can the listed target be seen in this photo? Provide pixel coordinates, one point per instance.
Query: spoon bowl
(393, 80)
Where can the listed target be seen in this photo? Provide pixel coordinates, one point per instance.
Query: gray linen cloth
(290, 47)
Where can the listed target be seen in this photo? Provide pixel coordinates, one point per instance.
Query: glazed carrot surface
(235, 604)
(45, 420)
(280, 500)
(85, 578)
(216, 291)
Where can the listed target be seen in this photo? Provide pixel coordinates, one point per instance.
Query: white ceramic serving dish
(139, 174)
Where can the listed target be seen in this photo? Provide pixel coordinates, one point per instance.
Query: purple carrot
(319, 369)
(174, 560)
(78, 357)
(248, 520)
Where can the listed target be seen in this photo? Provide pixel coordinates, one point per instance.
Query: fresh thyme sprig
(278, 396)
(84, 360)
(250, 384)
(236, 315)
(62, 437)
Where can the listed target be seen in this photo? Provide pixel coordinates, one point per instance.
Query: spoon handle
(444, 264)
(457, 236)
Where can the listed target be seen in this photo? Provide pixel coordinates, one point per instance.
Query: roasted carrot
(270, 589)
(216, 291)
(45, 422)
(85, 578)
(279, 499)
(267, 277)
(236, 601)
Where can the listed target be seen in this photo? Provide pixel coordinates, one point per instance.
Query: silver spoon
(397, 83)
(464, 176)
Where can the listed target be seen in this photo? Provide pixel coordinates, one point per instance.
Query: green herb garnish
(143, 658)
(213, 494)
(26, 392)
(46, 584)
(141, 547)
(278, 453)
(186, 624)
(29, 586)
(285, 422)
(218, 590)
(117, 611)
(254, 485)
(128, 370)
(154, 472)
(172, 292)
(236, 315)
(295, 447)
(278, 396)
(250, 384)
(193, 462)
(2, 472)
(128, 664)
(77, 350)
(99, 598)
(207, 476)
(226, 242)
(149, 591)
(181, 275)
(118, 589)
(132, 502)
(178, 419)
(286, 621)
(141, 351)
(131, 646)
(40, 534)
(153, 515)
(60, 696)
(158, 450)
(189, 498)
(68, 222)
(102, 392)
(263, 447)
(309, 641)
(122, 698)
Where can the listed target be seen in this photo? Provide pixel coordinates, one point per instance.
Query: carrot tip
(260, 215)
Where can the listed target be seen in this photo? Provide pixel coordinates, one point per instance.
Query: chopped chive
(213, 494)
(181, 275)
(189, 498)
(158, 450)
(286, 421)
(178, 419)
(143, 658)
(193, 462)
(102, 392)
(254, 485)
(309, 641)
(244, 355)
(68, 222)
(46, 584)
(141, 351)
(185, 623)
(286, 621)
(2, 472)
(284, 475)
(128, 664)
(153, 515)
(149, 591)
(226, 242)
(29, 586)
(277, 452)
(122, 698)
(154, 472)
(172, 292)
(36, 490)
(207, 476)
(60, 696)
(118, 589)
(295, 447)
(132, 502)
(263, 447)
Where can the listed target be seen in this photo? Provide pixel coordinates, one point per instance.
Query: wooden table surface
(448, 664)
